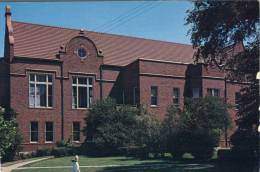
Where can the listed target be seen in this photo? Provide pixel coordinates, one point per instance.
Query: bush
(62, 151)
(148, 134)
(109, 127)
(10, 138)
(44, 152)
(197, 128)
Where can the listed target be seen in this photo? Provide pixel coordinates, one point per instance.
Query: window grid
(176, 96)
(154, 96)
(76, 131)
(213, 92)
(88, 85)
(34, 134)
(48, 82)
(49, 131)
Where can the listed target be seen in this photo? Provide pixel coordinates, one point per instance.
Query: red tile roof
(40, 41)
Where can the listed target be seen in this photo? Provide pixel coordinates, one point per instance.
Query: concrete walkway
(19, 164)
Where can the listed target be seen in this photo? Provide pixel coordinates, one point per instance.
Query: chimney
(9, 39)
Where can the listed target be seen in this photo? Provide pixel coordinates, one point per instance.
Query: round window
(82, 53)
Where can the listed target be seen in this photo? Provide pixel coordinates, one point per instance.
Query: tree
(203, 120)
(109, 127)
(197, 128)
(10, 138)
(172, 133)
(216, 25)
(148, 133)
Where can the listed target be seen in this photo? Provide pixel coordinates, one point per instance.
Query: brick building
(51, 75)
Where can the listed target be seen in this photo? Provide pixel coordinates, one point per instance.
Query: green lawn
(127, 164)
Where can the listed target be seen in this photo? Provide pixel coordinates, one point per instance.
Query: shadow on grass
(182, 165)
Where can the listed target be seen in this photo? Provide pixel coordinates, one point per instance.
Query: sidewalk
(14, 166)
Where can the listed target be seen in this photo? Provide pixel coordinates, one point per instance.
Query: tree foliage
(10, 138)
(197, 128)
(109, 127)
(215, 27)
(148, 133)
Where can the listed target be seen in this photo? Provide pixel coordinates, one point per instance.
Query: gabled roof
(40, 41)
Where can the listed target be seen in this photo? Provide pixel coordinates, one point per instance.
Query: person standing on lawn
(75, 164)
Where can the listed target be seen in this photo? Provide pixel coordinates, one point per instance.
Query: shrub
(109, 127)
(197, 128)
(43, 152)
(172, 135)
(62, 151)
(148, 134)
(10, 138)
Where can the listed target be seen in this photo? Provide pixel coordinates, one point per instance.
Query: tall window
(213, 92)
(76, 131)
(154, 96)
(82, 92)
(176, 96)
(34, 132)
(40, 91)
(237, 100)
(49, 132)
(195, 92)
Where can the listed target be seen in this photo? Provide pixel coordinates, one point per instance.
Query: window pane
(76, 131)
(49, 131)
(216, 92)
(40, 78)
(31, 95)
(176, 95)
(34, 131)
(237, 99)
(154, 96)
(49, 78)
(90, 81)
(90, 95)
(82, 81)
(82, 91)
(50, 95)
(74, 97)
(49, 126)
(195, 92)
(32, 77)
(41, 95)
(74, 80)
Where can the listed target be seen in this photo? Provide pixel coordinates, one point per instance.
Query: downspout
(62, 102)
(101, 82)
(225, 97)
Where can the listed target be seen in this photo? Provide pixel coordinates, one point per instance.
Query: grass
(130, 164)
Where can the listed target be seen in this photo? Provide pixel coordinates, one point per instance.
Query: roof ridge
(133, 37)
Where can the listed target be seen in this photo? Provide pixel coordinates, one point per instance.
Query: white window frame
(77, 85)
(212, 91)
(31, 132)
(157, 94)
(173, 96)
(35, 82)
(49, 131)
(76, 141)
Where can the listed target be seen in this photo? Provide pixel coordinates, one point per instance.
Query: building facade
(50, 76)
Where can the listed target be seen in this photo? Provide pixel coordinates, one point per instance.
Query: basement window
(76, 131)
(176, 96)
(49, 132)
(34, 132)
(213, 92)
(154, 96)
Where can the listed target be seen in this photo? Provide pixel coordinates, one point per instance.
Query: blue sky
(161, 20)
